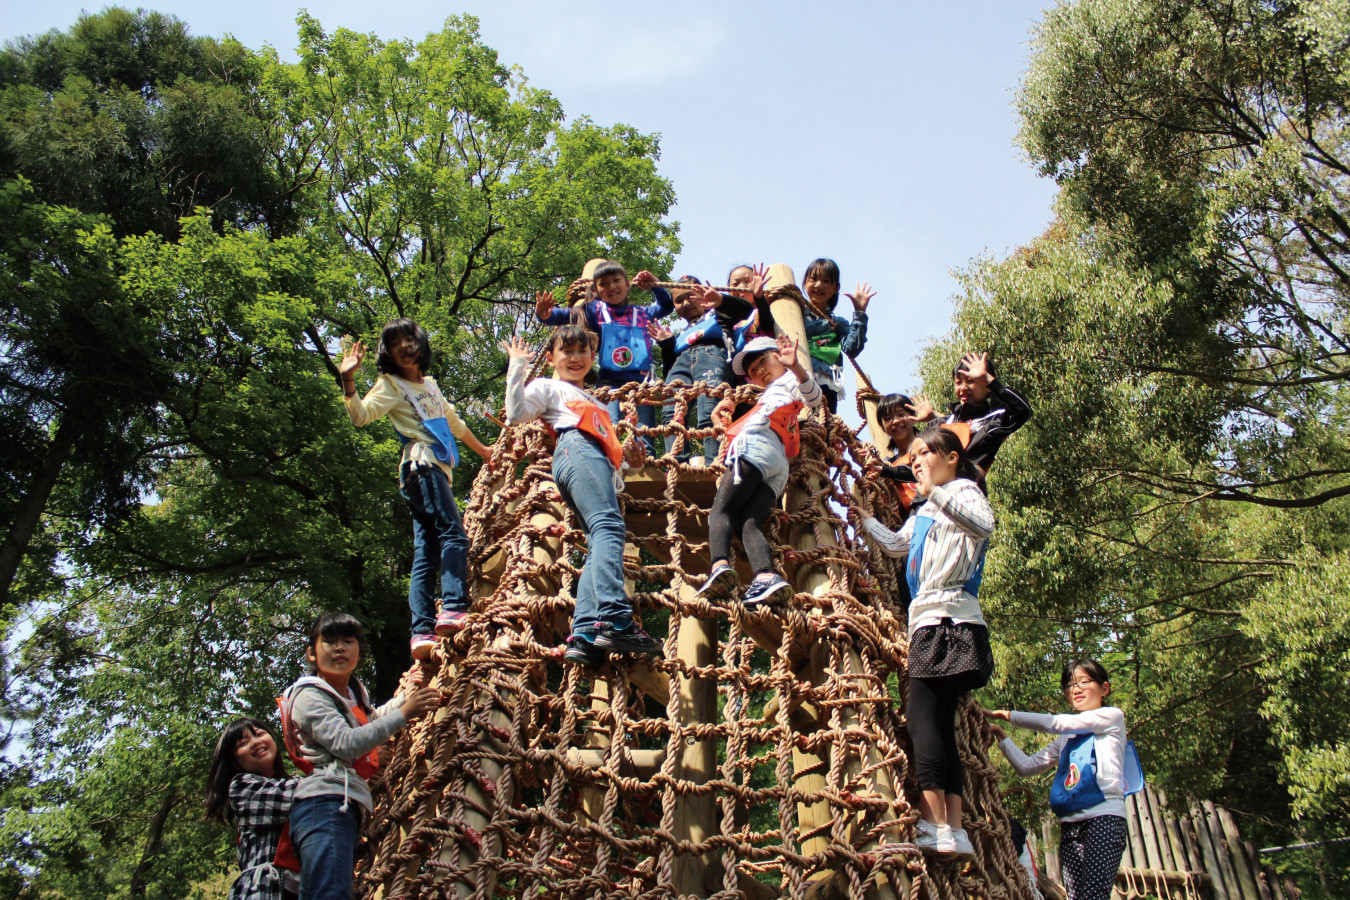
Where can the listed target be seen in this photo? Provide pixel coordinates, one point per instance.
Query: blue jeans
(706, 363)
(586, 481)
(646, 415)
(439, 543)
(325, 839)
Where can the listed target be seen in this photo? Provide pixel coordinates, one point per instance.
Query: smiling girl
(247, 787)
(1089, 788)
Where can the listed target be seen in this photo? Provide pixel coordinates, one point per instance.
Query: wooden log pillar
(1158, 824)
(1052, 869)
(695, 816)
(1209, 855)
(1234, 887)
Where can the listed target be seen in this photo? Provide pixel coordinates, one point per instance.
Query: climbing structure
(764, 756)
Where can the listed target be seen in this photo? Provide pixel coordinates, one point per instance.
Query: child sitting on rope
(831, 337)
(762, 442)
(428, 427)
(987, 411)
(625, 346)
(587, 468)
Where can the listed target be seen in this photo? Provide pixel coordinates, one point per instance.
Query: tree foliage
(424, 180)
(1177, 505)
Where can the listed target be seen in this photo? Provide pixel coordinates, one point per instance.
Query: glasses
(1084, 684)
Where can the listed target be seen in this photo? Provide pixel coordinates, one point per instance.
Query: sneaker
(628, 640)
(722, 580)
(961, 841)
(583, 652)
(766, 590)
(934, 839)
(451, 621)
(422, 645)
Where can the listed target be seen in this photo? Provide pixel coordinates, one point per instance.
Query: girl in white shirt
(949, 653)
(587, 468)
(1089, 790)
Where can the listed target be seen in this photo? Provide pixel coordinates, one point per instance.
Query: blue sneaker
(721, 580)
(628, 640)
(766, 590)
(583, 652)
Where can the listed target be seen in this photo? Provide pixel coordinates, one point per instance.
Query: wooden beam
(695, 815)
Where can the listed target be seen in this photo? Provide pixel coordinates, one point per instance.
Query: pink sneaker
(451, 621)
(422, 645)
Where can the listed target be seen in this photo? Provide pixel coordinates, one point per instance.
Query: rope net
(764, 756)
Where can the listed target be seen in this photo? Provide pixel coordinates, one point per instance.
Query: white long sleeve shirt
(954, 526)
(546, 399)
(781, 391)
(387, 398)
(1106, 723)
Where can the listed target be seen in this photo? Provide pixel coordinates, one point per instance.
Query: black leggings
(932, 733)
(1089, 853)
(744, 507)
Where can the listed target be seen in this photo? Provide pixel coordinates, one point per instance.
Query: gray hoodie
(329, 736)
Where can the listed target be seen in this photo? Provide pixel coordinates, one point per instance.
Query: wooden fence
(1199, 854)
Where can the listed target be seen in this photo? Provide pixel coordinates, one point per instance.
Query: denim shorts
(765, 452)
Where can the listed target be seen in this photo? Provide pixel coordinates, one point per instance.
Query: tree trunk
(34, 502)
(154, 839)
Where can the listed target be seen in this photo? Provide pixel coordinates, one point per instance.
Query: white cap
(757, 345)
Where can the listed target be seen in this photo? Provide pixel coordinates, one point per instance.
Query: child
(587, 464)
(897, 414)
(762, 442)
(987, 409)
(697, 353)
(625, 346)
(247, 787)
(744, 313)
(949, 650)
(831, 337)
(332, 734)
(428, 426)
(1088, 798)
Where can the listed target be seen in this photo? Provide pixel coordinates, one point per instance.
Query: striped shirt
(945, 542)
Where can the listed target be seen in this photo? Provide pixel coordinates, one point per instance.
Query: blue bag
(1134, 770)
(444, 446)
(705, 329)
(1075, 787)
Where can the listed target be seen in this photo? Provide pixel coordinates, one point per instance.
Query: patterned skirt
(952, 650)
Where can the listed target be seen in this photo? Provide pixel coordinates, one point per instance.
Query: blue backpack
(1075, 787)
(625, 345)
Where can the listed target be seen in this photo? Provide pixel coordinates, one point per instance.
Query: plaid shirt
(261, 806)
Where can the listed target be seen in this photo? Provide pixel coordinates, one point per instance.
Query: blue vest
(625, 345)
(1075, 788)
(917, 542)
(705, 330)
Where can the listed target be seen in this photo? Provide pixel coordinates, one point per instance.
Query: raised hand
(923, 409)
(351, 360)
(759, 277)
(516, 348)
(706, 296)
(543, 304)
(644, 280)
(861, 296)
(977, 367)
(658, 331)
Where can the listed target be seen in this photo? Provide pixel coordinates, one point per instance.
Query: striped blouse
(945, 540)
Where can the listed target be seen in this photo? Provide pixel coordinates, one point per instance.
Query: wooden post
(1052, 869)
(1134, 833)
(1254, 863)
(1168, 859)
(1209, 853)
(787, 311)
(1146, 828)
(695, 816)
(1233, 838)
(1223, 852)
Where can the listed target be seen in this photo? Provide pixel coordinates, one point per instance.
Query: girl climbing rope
(428, 427)
(247, 787)
(762, 442)
(1090, 757)
(331, 734)
(949, 652)
(587, 468)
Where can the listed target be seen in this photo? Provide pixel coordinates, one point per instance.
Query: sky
(879, 134)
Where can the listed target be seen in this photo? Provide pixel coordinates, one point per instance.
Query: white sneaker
(930, 838)
(961, 843)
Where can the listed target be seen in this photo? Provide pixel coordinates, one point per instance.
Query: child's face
(1085, 694)
(572, 363)
(969, 390)
(740, 279)
(256, 752)
(765, 369)
(686, 306)
(335, 656)
(613, 288)
(405, 350)
(941, 469)
(819, 288)
(899, 427)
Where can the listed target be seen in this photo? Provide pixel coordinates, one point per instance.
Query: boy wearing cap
(761, 443)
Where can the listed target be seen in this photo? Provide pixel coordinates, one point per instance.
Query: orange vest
(961, 430)
(782, 420)
(365, 766)
(594, 420)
